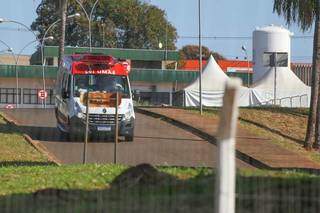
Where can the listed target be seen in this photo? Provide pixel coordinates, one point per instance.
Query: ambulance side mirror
(65, 94)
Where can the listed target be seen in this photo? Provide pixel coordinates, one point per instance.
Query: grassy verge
(90, 188)
(15, 150)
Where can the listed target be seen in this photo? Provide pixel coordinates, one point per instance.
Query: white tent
(213, 84)
(290, 90)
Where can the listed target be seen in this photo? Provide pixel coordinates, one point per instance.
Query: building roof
(226, 65)
(235, 65)
(191, 65)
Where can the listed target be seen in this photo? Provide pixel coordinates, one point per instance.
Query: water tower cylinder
(266, 40)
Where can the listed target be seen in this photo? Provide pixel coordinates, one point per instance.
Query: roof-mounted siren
(267, 41)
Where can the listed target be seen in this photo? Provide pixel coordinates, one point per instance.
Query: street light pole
(244, 49)
(275, 78)
(9, 50)
(43, 63)
(42, 49)
(16, 71)
(89, 17)
(166, 42)
(200, 58)
(3, 20)
(15, 67)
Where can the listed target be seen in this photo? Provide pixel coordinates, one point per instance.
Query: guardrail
(26, 96)
(279, 101)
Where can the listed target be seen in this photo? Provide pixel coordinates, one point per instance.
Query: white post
(225, 177)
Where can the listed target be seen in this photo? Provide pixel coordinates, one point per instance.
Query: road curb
(34, 144)
(211, 139)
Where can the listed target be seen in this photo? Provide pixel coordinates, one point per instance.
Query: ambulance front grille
(100, 119)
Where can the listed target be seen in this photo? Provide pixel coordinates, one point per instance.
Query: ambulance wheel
(63, 135)
(128, 138)
(75, 136)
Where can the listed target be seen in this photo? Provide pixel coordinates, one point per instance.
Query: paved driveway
(156, 142)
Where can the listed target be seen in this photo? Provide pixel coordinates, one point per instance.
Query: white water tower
(268, 41)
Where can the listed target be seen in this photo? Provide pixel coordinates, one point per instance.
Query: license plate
(104, 128)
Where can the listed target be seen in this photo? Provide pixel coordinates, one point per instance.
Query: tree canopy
(115, 24)
(192, 52)
(302, 12)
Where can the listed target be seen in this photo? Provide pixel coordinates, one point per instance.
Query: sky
(220, 18)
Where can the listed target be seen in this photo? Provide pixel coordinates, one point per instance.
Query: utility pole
(275, 62)
(200, 59)
(63, 8)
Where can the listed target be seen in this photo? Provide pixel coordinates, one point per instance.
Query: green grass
(90, 188)
(27, 179)
(14, 149)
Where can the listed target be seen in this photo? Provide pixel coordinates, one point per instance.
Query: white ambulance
(102, 76)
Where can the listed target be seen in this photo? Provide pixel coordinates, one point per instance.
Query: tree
(217, 56)
(116, 23)
(63, 9)
(191, 52)
(305, 13)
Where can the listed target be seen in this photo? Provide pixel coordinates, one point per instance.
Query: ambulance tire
(63, 135)
(129, 138)
(75, 136)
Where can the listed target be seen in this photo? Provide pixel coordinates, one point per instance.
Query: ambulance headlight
(129, 114)
(78, 111)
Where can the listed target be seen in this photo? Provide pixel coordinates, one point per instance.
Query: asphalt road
(156, 142)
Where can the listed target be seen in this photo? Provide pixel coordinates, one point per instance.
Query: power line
(237, 37)
(292, 56)
(217, 37)
(14, 29)
(184, 36)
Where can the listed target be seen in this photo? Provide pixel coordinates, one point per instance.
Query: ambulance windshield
(101, 83)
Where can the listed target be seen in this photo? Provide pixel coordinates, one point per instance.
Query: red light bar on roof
(94, 58)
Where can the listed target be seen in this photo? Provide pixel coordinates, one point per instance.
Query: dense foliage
(302, 12)
(115, 23)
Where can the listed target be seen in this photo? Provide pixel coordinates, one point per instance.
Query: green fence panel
(32, 71)
(145, 75)
(154, 76)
